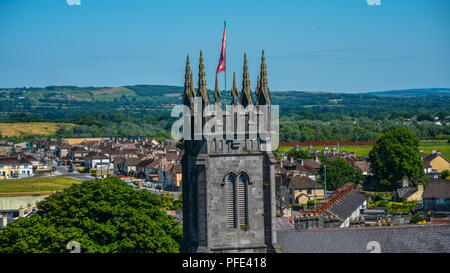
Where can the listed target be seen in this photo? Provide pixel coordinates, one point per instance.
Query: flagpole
(225, 62)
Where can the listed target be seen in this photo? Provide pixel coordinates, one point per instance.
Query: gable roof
(303, 182)
(145, 163)
(363, 165)
(393, 239)
(437, 188)
(406, 192)
(13, 161)
(133, 161)
(96, 155)
(345, 206)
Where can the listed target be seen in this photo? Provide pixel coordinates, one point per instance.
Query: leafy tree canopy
(298, 153)
(396, 154)
(105, 216)
(445, 174)
(339, 172)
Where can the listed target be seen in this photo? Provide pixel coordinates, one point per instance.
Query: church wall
(217, 168)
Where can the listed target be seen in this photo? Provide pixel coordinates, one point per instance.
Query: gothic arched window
(242, 199)
(231, 200)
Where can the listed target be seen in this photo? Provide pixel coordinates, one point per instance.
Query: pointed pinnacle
(191, 79)
(246, 92)
(202, 91)
(187, 83)
(234, 90)
(257, 87)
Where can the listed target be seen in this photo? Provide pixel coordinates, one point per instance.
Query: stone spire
(258, 84)
(187, 94)
(246, 92)
(217, 93)
(234, 91)
(191, 80)
(264, 92)
(202, 91)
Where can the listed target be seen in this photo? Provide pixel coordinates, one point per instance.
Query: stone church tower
(228, 172)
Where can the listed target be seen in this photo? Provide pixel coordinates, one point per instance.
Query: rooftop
(430, 238)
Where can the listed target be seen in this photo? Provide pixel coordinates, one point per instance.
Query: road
(64, 171)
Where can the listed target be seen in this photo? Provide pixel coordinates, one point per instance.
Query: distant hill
(412, 92)
(155, 90)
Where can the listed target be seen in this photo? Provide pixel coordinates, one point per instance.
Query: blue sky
(326, 45)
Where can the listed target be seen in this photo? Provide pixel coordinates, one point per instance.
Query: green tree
(298, 153)
(445, 174)
(105, 216)
(278, 154)
(396, 154)
(339, 172)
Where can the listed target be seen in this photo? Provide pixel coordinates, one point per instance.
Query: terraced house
(11, 167)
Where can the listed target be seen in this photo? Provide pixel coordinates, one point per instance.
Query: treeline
(304, 116)
(296, 128)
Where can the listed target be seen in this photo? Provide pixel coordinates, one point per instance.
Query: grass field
(113, 93)
(30, 128)
(30, 186)
(363, 150)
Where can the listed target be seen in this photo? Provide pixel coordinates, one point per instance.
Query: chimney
(20, 211)
(420, 188)
(28, 208)
(316, 158)
(405, 182)
(291, 160)
(300, 161)
(5, 220)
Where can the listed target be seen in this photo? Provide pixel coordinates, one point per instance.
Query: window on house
(309, 191)
(242, 189)
(231, 200)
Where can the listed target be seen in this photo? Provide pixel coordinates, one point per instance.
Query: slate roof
(437, 188)
(364, 166)
(345, 206)
(428, 158)
(406, 192)
(311, 163)
(394, 239)
(303, 182)
(282, 223)
(78, 149)
(133, 161)
(96, 155)
(145, 163)
(13, 161)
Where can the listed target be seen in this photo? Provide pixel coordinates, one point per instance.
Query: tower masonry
(228, 168)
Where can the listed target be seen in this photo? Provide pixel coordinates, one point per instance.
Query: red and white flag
(221, 66)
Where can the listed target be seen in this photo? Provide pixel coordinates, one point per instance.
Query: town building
(436, 196)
